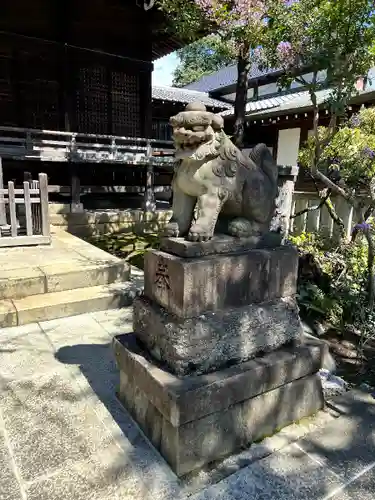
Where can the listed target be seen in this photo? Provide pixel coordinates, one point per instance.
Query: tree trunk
(243, 68)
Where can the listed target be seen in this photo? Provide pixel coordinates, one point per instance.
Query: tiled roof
(226, 76)
(263, 104)
(301, 101)
(185, 96)
(298, 101)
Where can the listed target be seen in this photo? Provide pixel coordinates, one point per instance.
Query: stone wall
(98, 222)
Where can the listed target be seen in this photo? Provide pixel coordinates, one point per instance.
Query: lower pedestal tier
(195, 420)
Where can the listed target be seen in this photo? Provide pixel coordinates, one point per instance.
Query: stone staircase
(69, 277)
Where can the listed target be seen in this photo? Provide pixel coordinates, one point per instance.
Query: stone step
(58, 277)
(60, 304)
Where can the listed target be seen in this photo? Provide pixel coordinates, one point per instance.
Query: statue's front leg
(209, 206)
(183, 208)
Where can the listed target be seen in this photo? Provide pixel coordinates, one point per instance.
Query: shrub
(332, 279)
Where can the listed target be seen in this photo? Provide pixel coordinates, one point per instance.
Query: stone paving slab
(47, 422)
(104, 476)
(286, 475)
(362, 488)
(25, 351)
(335, 461)
(346, 449)
(114, 322)
(9, 486)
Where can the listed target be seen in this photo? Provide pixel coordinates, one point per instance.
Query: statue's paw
(171, 230)
(241, 228)
(197, 233)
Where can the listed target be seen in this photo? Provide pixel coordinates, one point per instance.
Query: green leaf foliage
(350, 152)
(332, 279)
(331, 35)
(200, 58)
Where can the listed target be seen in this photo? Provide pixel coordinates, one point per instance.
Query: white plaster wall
(288, 146)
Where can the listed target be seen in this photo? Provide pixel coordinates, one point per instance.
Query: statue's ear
(217, 122)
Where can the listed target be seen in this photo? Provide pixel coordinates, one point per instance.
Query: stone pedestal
(217, 360)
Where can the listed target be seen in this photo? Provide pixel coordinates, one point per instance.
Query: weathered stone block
(189, 287)
(196, 420)
(218, 339)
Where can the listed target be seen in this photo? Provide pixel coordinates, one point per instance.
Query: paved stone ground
(63, 435)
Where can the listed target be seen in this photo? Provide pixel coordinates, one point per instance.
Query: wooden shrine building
(75, 88)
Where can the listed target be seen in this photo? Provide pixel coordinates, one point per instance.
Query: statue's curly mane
(229, 155)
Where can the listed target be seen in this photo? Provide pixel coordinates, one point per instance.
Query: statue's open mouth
(188, 150)
(187, 142)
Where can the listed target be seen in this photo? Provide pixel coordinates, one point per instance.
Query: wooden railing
(24, 214)
(319, 220)
(59, 146)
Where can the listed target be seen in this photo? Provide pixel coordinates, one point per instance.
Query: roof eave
(253, 82)
(358, 99)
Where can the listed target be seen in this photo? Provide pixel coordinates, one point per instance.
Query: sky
(163, 69)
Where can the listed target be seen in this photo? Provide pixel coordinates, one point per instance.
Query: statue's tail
(262, 157)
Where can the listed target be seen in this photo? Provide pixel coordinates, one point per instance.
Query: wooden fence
(319, 220)
(24, 215)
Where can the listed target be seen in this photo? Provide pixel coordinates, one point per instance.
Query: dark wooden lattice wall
(38, 86)
(29, 85)
(107, 100)
(7, 101)
(79, 65)
(92, 100)
(126, 107)
(102, 95)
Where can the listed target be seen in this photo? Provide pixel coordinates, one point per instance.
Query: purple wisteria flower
(355, 121)
(363, 226)
(235, 13)
(285, 53)
(370, 153)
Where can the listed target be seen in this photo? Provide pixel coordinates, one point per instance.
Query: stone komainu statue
(215, 185)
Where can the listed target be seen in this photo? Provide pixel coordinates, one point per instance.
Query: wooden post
(149, 204)
(43, 186)
(287, 176)
(3, 216)
(75, 191)
(27, 197)
(12, 209)
(36, 214)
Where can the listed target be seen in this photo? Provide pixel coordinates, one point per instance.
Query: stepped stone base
(218, 339)
(195, 420)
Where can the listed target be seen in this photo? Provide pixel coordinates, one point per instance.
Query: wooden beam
(146, 103)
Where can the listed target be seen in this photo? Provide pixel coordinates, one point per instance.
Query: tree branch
(370, 268)
(316, 207)
(301, 80)
(331, 210)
